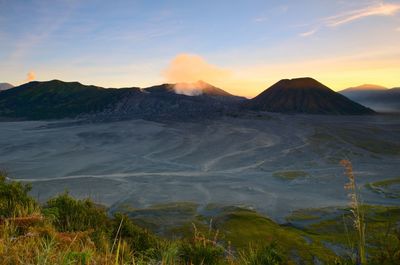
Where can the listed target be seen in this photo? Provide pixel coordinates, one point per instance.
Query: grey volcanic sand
(229, 161)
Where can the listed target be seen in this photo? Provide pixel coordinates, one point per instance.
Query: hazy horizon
(360, 86)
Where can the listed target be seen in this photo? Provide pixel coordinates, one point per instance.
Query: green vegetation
(382, 234)
(390, 188)
(242, 227)
(70, 215)
(14, 198)
(56, 99)
(260, 255)
(303, 215)
(69, 231)
(290, 174)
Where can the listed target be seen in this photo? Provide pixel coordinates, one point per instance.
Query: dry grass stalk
(356, 210)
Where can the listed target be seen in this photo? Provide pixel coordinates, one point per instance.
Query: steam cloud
(30, 76)
(187, 69)
(190, 89)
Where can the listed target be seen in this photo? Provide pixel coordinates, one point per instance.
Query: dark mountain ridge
(163, 102)
(305, 95)
(57, 99)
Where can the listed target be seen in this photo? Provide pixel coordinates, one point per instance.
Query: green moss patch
(389, 188)
(290, 174)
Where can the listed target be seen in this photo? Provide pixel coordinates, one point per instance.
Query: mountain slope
(5, 86)
(199, 88)
(55, 99)
(165, 102)
(381, 100)
(305, 95)
(364, 87)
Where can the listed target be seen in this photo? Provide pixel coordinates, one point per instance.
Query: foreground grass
(70, 231)
(335, 228)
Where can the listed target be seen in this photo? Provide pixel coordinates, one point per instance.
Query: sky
(242, 46)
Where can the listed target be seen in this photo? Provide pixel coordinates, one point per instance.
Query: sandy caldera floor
(274, 163)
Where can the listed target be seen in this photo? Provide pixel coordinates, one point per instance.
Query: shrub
(69, 214)
(169, 253)
(140, 240)
(387, 251)
(201, 250)
(261, 255)
(14, 198)
(198, 253)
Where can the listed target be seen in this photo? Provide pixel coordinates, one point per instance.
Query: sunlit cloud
(191, 68)
(379, 66)
(337, 72)
(382, 9)
(30, 76)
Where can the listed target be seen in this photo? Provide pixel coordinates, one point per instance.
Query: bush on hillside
(139, 239)
(14, 198)
(70, 215)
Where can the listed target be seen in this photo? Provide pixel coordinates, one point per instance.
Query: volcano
(305, 95)
(199, 88)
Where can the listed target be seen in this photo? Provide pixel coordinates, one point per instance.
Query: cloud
(308, 33)
(270, 13)
(190, 89)
(375, 10)
(260, 19)
(191, 68)
(30, 76)
(382, 9)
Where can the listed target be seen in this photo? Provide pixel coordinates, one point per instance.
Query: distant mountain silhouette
(305, 95)
(377, 98)
(177, 101)
(182, 101)
(5, 86)
(365, 87)
(57, 99)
